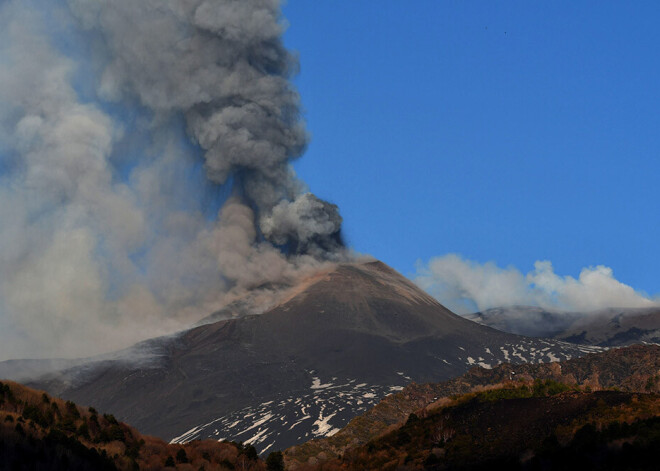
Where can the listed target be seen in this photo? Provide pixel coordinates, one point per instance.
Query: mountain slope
(631, 369)
(342, 340)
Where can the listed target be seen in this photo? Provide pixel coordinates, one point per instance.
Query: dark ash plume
(222, 64)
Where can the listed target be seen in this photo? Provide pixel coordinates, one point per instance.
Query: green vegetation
(35, 413)
(539, 388)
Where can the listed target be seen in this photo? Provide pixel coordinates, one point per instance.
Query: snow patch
(552, 357)
(323, 428)
(316, 384)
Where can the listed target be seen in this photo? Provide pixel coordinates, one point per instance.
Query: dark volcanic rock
(355, 332)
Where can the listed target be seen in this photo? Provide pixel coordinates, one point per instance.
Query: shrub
(505, 393)
(111, 419)
(83, 431)
(549, 387)
(112, 433)
(169, 462)
(133, 450)
(34, 413)
(650, 384)
(67, 425)
(6, 392)
(72, 409)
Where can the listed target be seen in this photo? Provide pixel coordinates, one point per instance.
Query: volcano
(339, 342)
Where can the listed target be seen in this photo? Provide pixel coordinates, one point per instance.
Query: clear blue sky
(503, 131)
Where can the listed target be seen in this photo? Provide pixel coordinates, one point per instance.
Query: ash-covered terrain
(328, 406)
(361, 323)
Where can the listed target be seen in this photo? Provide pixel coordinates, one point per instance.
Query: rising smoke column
(107, 110)
(221, 64)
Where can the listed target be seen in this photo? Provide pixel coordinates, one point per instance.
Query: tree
(169, 462)
(250, 452)
(181, 456)
(275, 461)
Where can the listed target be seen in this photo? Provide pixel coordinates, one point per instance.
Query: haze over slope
(606, 327)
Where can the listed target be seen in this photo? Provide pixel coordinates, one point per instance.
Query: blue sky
(496, 153)
(503, 131)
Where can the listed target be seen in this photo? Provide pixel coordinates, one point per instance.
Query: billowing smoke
(465, 286)
(221, 65)
(145, 174)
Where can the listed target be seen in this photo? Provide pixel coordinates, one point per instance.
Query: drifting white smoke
(465, 286)
(120, 122)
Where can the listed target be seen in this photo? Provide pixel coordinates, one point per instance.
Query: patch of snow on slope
(552, 357)
(256, 424)
(184, 437)
(316, 384)
(323, 428)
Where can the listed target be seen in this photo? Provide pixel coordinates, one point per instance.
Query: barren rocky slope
(343, 340)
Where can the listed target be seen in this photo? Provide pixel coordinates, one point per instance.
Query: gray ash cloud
(108, 110)
(222, 65)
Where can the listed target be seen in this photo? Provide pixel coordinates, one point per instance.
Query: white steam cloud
(465, 286)
(145, 175)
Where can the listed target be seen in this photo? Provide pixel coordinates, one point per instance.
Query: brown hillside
(38, 431)
(518, 427)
